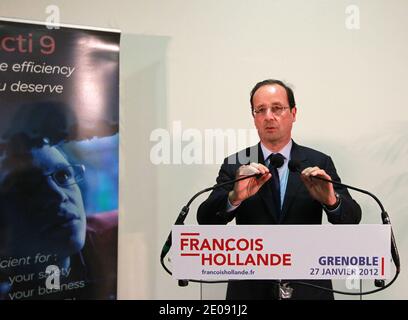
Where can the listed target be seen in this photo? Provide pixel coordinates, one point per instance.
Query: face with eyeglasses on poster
(41, 205)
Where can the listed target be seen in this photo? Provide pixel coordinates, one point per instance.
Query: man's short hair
(269, 82)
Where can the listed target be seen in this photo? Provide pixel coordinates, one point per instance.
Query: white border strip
(59, 25)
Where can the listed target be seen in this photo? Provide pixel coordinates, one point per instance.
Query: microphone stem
(353, 188)
(220, 185)
(184, 211)
(384, 216)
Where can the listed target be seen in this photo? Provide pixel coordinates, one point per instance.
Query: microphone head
(294, 165)
(277, 160)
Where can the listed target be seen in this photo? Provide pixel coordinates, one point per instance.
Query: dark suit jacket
(298, 208)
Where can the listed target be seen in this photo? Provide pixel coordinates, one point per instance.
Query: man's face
(41, 213)
(273, 129)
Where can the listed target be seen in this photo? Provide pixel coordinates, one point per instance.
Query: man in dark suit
(278, 196)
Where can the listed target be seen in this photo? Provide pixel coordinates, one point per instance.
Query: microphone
(294, 166)
(276, 160)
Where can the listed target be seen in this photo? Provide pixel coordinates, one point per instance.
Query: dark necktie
(275, 184)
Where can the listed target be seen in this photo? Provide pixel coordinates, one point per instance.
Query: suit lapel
(294, 181)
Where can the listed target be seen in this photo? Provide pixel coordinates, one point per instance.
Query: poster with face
(59, 138)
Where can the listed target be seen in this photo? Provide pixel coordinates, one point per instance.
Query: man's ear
(293, 112)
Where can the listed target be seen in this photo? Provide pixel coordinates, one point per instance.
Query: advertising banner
(59, 126)
(281, 252)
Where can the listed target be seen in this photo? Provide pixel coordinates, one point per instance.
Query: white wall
(195, 61)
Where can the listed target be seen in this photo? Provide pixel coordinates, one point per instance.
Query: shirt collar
(285, 151)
